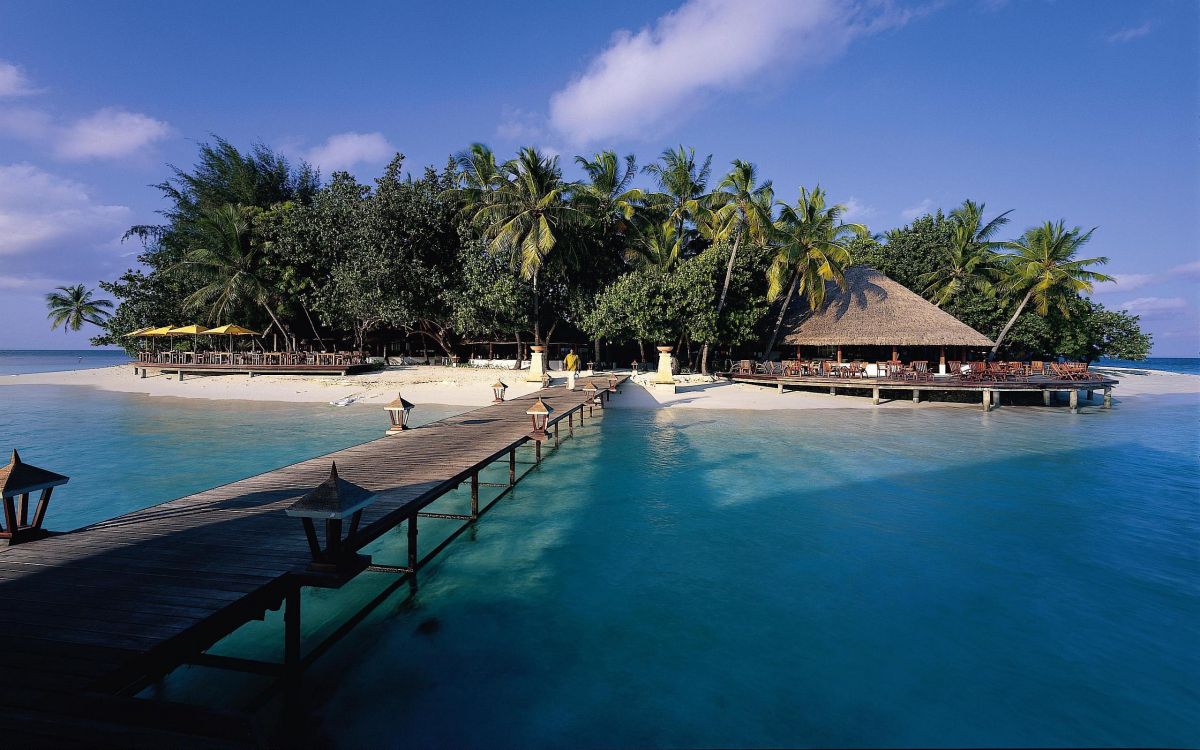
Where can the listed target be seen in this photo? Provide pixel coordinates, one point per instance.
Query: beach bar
(876, 336)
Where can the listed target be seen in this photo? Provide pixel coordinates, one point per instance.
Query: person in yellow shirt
(571, 361)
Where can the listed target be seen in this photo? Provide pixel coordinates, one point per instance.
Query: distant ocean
(1187, 365)
(20, 361)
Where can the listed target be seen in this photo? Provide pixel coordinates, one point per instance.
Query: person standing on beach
(571, 361)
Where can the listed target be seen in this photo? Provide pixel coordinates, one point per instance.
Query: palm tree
(655, 245)
(814, 249)
(232, 268)
(606, 195)
(528, 215)
(1043, 266)
(969, 263)
(72, 306)
(681, 184)
(478, 176)
(739, 207)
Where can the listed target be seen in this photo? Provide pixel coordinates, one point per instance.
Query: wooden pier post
(571, 424)
(556, 434)
(1045, 398)
(1074, 401)
(475, 495)
(1108, 398)
(875, 395)
(412, 542)
(537, 451)
(916, 395)
(291, 633)
(832, 390)
(780, 388)
(987, 400)
(1089, 394)
(512, 467)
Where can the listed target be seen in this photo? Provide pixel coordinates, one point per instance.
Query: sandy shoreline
(467, 386)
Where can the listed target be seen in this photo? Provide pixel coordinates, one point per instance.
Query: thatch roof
(873, 310)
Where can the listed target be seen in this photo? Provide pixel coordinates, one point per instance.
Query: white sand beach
(469, 386)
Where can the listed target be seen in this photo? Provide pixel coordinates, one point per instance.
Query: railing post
(412, 543)
(475, 495)
(512, 466)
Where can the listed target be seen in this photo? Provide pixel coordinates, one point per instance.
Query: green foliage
(910, 253)
(72, 306)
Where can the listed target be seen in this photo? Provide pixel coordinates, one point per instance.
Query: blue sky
(1084, 111)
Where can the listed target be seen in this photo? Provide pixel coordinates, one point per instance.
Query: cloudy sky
(1082, 110)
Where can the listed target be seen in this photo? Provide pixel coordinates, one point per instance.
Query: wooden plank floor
(95, 610)
(1033, 383)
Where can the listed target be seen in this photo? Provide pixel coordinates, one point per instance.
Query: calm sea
(933, 577)
(20, 361)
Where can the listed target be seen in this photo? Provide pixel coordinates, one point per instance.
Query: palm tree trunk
(596, 357)
(537, 326)
(737, 241)
(787, 302)
(275, 320)
(313, 325)
(517, 366)
(1009, 325)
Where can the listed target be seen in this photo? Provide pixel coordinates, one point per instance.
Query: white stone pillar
(664, 378)
(537, 364)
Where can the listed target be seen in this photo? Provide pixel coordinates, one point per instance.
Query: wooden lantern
(335, 501)
(539, 415)
(18, 480)
(498, 389)
(398, 411)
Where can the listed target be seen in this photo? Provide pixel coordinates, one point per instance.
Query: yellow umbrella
(231, 330)
(138, 332)
(193, 330)
(160, 331)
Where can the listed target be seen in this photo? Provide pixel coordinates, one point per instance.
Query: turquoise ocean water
(20, 361)
(716, 578)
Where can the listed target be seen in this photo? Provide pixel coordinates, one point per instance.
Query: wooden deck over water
(92, 615)
(249, 369)
(989, 389)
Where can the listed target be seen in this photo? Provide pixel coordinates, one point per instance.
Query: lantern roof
(499, 384)
(589, 386)
(333, 498)
(18, 477)
(398, 404)
(538, 409)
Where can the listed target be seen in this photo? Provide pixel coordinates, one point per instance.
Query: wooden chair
(920, 370)
(1037, 367)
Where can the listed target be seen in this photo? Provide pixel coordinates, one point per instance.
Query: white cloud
(1190, 271)
(1126, 282)
(38, 209)
(1129, 34)
(1152, 307)
(922, 208)
(646, 79)
(856, 210)
(13, 81)
(110, 133)
(519, 125)
(344, 150)
(26, 124)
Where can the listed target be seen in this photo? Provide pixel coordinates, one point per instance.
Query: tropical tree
(681, 183)
(969, 262)
(606, 196)
(528, 216)
(739, 207)
(479, 176)
(231, 267)
(72, 306)
(814, 248)
(1043, 268)
(655, 245)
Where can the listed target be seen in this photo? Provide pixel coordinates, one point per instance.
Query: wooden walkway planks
(102, 606)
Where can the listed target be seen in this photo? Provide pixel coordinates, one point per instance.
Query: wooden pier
(989, 390)
(141, 369)
(92, 616)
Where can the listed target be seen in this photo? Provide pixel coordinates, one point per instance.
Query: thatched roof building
(873, 310)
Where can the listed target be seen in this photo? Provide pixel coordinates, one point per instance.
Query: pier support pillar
(1089, 394)
(1074, 401)
(1108, 398)
(412, 543)
(832, 391)
(512, 467)
(537, 451)
(1045, 398)
(143, 372)
(556, 434)
(916, 395)
(291, 634)
(780, 389)
(987, 400)
(875, 395)
(571, 424)
(475, 495)
(181, 376)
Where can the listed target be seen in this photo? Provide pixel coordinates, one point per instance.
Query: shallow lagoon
(897, 577)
